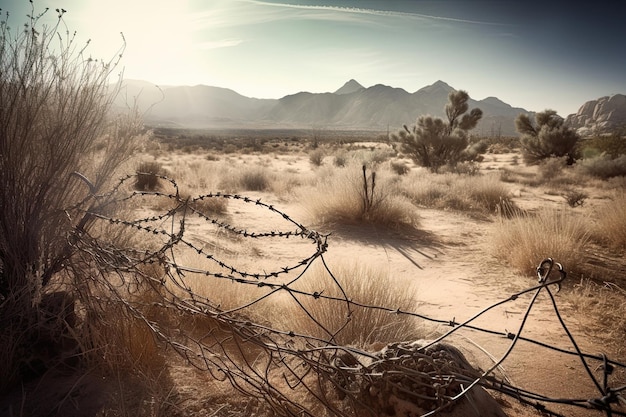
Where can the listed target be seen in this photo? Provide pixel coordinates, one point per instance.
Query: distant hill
(598, 116)
(377, 108)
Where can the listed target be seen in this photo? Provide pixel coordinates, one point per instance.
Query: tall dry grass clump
(357, 195)
(603, 310)
(610, 225)
(354, 325)
(524, 240)
(475, 193)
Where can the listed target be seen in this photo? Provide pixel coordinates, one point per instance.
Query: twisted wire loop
(280, 367)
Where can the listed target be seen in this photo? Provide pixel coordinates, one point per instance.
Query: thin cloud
(373, 12)
(222, 43)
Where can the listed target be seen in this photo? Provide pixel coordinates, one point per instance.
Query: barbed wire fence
(281, 366)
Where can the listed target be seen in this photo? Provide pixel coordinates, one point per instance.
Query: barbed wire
(281, 366)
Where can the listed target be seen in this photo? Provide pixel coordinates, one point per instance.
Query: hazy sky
(534, 55)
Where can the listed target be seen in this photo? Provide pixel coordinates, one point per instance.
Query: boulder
(410, 379)
(599, 116)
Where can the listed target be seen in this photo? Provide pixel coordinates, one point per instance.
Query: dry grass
(610, 226)
(602, 306)
(604, 166)
(365, 326)
(476, 193)
(523, 241)
(340, 198)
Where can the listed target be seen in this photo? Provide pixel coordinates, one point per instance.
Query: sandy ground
(450, 267)
(455, 276)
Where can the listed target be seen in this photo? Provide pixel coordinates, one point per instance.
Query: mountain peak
(350, 87)
(438, 86)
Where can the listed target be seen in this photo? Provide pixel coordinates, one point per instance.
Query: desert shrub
(426, 190)
(613, 145)
(469, 168)
(551, 168)
(362, 285)
(59, 147)
(400, 167)
(255, 179)
(433, 142)
(316, 157)
(340, 159)
(355, 196)
(209, 205)
(149, 176)
(486, 193)
(610, 226)
(547, 138)
(603, 166)
(524, 240)
(575, 198)
(481, 193)
(378, 156)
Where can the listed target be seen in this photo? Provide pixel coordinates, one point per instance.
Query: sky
(530, 54)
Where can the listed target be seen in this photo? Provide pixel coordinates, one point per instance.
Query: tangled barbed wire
(279, 366)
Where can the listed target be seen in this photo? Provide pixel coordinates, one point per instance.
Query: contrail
(374, 12)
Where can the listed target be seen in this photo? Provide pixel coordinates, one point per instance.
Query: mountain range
(377, 108)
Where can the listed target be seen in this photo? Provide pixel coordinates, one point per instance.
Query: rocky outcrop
(599, 116)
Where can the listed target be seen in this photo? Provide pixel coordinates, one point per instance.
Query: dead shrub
(575, 198)
(316, 157)
(149, 176)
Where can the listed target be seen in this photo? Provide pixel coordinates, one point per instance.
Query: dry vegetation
(111, 302)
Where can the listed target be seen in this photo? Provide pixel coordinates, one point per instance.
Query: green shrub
(613, 145)
(433, 142)
(547, 138)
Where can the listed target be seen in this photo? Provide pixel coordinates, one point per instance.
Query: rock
(405, 379)
(599, 116)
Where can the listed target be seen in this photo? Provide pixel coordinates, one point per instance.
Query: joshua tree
(433, 142)
(548, 137)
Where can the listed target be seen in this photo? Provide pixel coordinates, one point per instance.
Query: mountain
(197, 106)
(601, 115)
(350, 87)
(378, 108)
